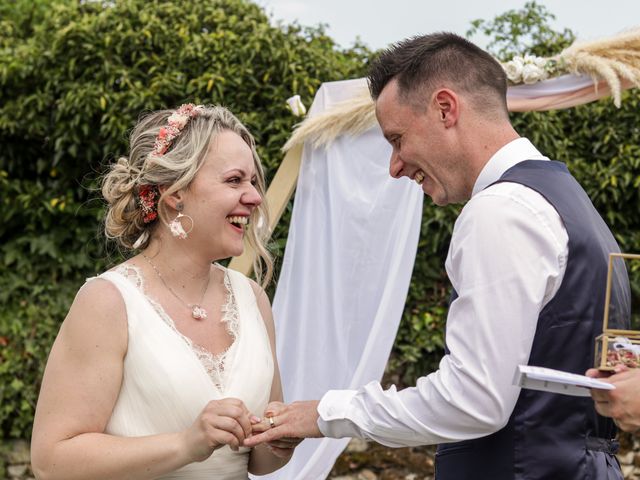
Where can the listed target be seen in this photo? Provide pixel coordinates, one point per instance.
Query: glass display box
(617, 346)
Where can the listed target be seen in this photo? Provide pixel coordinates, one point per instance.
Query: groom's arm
(506, 261)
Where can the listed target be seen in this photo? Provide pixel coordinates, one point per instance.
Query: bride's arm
(262, 460)
(81, 383)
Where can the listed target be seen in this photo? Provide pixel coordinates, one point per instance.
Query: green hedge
(75, 75)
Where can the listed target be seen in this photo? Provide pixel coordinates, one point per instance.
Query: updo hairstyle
(176, 169)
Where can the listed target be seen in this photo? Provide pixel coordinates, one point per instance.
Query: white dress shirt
(506, 260)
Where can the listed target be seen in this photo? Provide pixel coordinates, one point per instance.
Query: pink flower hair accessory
(148, 200)
(175, 124)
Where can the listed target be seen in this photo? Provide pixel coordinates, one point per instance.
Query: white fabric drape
(553, 86)
(345, 275)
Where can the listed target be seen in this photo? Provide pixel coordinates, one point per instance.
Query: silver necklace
(197, 311)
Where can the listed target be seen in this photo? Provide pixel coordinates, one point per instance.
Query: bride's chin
(236, 251)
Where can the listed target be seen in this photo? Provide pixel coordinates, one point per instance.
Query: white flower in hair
(177, 120)
(175, 123)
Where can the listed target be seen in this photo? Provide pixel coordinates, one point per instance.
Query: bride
(163, 362)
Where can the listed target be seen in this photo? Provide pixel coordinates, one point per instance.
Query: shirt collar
(512, 153)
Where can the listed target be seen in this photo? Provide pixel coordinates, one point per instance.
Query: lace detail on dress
(230, 313)
(230, 317)
(213, 364)
(131, 273)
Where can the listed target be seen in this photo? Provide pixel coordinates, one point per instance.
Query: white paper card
(557, 381)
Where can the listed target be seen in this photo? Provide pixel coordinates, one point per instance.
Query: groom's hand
(296, 420)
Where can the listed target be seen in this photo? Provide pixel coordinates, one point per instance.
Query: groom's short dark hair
(423, 63)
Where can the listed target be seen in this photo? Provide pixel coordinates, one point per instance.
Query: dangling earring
(177, 230)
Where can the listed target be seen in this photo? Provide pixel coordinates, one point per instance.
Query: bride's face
(222, 196)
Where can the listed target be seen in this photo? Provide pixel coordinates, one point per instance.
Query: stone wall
(15, 463)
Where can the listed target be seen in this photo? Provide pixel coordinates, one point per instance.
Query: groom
(528, 263)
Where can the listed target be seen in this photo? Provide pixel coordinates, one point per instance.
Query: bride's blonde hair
(175, 169)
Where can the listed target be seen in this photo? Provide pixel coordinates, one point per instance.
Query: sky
(378, 23)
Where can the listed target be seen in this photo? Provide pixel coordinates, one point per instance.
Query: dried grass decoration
(611, 59)
(615, 60)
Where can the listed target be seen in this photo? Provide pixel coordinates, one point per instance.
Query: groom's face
(422, 147)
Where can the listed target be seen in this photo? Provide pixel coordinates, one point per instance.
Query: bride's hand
(221, 422)
(282, 447)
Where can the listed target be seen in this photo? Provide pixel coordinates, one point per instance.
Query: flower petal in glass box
(618, 345)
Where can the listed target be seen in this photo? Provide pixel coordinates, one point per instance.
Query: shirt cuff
(332, 410)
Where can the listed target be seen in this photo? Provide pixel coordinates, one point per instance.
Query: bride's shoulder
(258, 291)
(97, 312)
(98, 294)
(100, 297)
(264, 305)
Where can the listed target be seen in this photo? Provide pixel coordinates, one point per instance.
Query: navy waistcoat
(551, 436)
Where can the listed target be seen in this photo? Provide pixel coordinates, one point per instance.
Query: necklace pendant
(198, 312)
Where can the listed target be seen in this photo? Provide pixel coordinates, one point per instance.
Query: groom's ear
(446, 103)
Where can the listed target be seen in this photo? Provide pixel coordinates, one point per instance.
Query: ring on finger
(272, 424)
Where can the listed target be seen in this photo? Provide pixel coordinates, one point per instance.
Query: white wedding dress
(167, 380)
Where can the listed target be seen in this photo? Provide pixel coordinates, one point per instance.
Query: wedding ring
(272, 424)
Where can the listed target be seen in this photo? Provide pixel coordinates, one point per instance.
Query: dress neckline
(214, 364)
